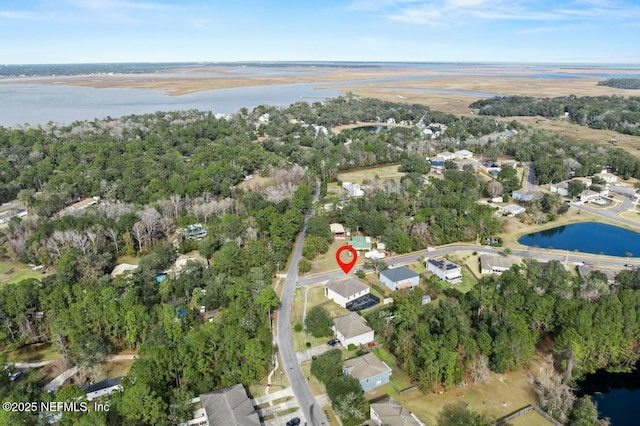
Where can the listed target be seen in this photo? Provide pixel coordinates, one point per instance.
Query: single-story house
(590, 195)
(447, 155)
(352, 329)
(445, 269)
(345, 291)
(83, 204)
(490, 264)
(463, 154)
(360, 243)
(229, 406)
(560, 188)
(523, 195)
(607, 177)
(194, 231)
(585, 270)
(6, 216)
(353, 189)
(491, 168)
(399, 278)
(388, 412)
(436, 161)
(105, 387)
(513, 209)
(370, 371)
(183, 259)
(122, 268)
(337, 229)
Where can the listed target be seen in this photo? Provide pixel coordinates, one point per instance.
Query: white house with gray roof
(388, 412)
(352, 329)
(399, 278)
(345, 291)
(492, 264)
(229, 406)
(445, 270)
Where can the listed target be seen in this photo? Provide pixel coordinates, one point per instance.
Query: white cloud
(440, 12)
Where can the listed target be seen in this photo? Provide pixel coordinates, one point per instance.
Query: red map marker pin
(347, 266)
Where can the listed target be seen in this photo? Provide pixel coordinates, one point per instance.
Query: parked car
(628, 265)
(15, 376)
(294, 421)
(333, 342)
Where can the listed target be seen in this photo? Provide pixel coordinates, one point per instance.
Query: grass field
(532, 418)
(362, 175)
(399, 378)
(327, 261)
(12, 272)
(115, 369)
(630, 215)
(33, 353)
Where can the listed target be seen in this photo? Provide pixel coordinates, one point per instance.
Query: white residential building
(444, 269)
(345, 291)
(352, 329)
(513, 209)
(490, 264)
(560, 188)
(463, 154)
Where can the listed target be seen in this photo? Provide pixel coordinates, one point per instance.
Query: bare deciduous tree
(495, 189)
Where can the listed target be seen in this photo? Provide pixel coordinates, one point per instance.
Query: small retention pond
(588, 237)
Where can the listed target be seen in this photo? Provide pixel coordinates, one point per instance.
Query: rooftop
(365, 366)
(351, 325)
(102, 385)
(360, 243)
(393, 414)
(336, 228)
(346, 288)
(229, 407)
(443, 264)
(398, 274)
(490, 261)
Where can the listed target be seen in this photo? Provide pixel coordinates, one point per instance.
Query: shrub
(297, 328)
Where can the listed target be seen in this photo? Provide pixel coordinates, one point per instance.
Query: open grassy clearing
(33, 353)
(367, 174)
(632, 215)
(501, 395)
(115, 369)
(12, 272)
(399, 378)
(327, 262)
(256, 183)
(532, 418)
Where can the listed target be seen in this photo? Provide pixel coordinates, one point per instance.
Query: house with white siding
(445, 270)
(352, 329)
(345, 291)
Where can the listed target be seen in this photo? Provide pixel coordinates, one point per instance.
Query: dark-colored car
(294, 421)
(333, 342)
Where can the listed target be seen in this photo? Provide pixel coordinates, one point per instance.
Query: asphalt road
(530, 253)
(306, 400)
(531, 178)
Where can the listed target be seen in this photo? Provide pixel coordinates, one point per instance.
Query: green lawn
(33, 353)
(12, 272)
(399, 378)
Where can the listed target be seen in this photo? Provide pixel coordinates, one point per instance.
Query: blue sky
(81, 31)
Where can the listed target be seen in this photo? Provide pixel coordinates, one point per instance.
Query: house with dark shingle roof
(399, 278)
(370, 371)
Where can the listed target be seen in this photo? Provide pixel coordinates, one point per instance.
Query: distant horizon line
(311, 62)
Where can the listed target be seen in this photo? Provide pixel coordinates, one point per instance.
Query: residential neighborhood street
(284, 339)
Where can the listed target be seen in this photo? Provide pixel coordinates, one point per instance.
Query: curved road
(306, 400)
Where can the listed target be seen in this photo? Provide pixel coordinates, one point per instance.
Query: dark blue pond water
(614, 394)
(589, 237)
